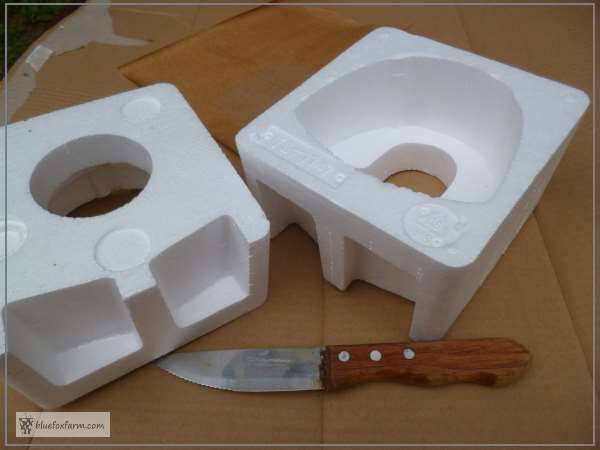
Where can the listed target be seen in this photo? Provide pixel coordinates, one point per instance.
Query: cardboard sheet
(248, 63)
(531, 296)
(559, 47)
(233, 72)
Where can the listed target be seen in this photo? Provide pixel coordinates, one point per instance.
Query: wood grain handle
(491, 362)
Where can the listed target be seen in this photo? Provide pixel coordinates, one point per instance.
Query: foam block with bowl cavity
(91, 298)
(393, 101)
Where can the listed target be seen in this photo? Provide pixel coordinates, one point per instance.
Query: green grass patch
(26, 23)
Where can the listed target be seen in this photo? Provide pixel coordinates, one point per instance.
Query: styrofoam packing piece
(392, 102)
(90, 299)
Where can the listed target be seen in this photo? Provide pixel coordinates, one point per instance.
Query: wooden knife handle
(491, 362)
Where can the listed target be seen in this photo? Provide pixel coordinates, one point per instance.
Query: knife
(492, 362)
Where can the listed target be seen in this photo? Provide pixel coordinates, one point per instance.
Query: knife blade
(491, 361)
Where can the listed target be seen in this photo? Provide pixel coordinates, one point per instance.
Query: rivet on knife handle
(492, 362)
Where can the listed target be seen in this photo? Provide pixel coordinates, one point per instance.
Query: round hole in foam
(423, 168)
(414, 113)
(418, 181)
(91, 175)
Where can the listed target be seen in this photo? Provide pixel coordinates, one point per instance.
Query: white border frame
(5, 81)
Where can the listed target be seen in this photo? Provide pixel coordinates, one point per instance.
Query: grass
(26, 23)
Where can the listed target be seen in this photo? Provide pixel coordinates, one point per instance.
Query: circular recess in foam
(123, 249)
(13, 234)
(89, 168)
(442, 117)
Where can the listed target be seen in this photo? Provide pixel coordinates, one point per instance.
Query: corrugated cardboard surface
(538, 294)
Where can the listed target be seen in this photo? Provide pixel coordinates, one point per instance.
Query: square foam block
(393, 101)
(92, 298)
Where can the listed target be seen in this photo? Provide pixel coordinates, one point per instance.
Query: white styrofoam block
(90, 299)
(392, 102)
